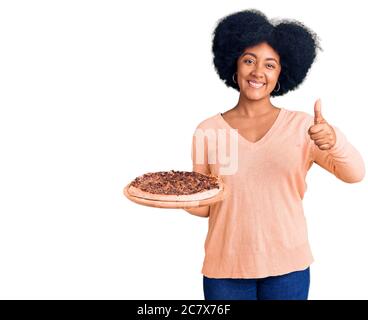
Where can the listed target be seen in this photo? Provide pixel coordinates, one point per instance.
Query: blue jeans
(290, 286)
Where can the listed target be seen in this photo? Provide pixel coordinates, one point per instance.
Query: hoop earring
(278, 88)
(234, 79)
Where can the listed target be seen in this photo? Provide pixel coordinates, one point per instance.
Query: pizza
(175, 186)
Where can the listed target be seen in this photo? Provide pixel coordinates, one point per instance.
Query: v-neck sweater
(260, 229)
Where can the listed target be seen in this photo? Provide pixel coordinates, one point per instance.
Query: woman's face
(258, 70)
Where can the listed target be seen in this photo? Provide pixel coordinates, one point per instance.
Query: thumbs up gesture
(321, 132)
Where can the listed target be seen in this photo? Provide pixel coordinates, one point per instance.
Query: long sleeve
(342, 160)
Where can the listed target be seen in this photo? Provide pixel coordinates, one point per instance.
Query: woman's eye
(268, 65)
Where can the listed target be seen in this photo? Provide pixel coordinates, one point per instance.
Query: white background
(95, 93)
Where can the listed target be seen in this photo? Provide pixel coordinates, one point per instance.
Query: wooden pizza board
(178, 204)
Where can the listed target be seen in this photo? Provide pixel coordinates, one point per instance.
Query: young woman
(257, 244)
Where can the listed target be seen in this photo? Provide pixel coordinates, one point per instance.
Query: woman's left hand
(321, 132)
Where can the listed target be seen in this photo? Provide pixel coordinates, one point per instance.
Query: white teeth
(255, 85)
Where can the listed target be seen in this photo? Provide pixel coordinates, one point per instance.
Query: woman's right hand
(199, 211)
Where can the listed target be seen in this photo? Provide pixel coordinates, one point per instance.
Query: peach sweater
(260, 229)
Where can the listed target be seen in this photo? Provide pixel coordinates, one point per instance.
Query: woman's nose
(258, 69)
(257, 72)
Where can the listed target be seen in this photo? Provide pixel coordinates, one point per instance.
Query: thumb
(317, 112)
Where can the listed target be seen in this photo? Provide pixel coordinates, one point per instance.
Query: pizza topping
(175, 182)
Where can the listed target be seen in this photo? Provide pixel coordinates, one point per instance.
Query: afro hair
(294, 42)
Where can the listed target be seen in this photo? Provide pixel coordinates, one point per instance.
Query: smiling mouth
(255, 85)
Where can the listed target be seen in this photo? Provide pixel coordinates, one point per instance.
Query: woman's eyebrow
(252, 54)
